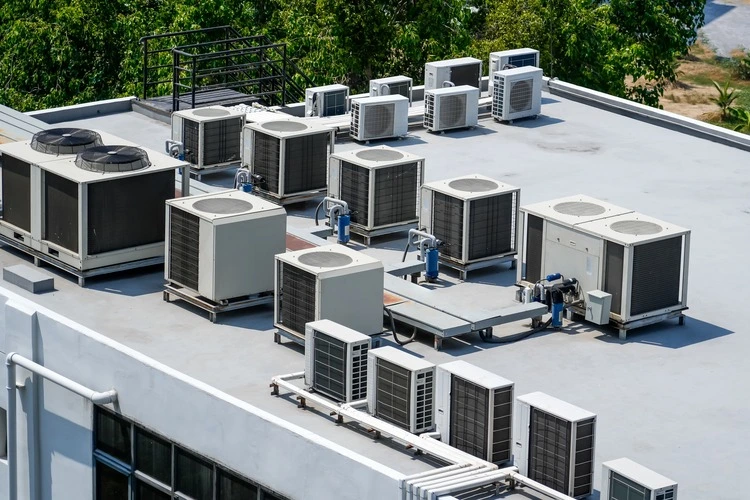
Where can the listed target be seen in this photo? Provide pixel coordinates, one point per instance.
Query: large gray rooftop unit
(623, 479)
(212, 136)
(453, 72)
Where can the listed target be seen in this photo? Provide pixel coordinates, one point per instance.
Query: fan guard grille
(108, 159)
(65, 141)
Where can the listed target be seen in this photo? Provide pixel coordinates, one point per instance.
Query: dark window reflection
(153, 456)
(194, 477)
(110, 484)
(113, 435)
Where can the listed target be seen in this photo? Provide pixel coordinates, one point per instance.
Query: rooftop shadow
(133, 282)
(549, 100)
(479, 130)
(539, 121)
(669, 334)
(714, 10)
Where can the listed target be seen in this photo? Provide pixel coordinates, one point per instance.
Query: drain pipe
(176, 149)
(11, 361)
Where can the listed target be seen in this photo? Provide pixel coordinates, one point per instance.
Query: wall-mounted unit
(474, 216)
(380, 117)
(288, 158)
(453, 72)
(508, 59)
(516, 93)
(212, 136)
(336, 361)
(554, 444)
(329, 282)
(401, 389)
(222, 245)
(381, 186)
(451, 107)
(475, 411)
(623, 479)
(392, 85)
(329, 100)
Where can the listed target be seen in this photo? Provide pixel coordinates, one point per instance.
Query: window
(153, 456)
(113, 435)
(3, 433)
(144, 491)
(194, 476)
(230, 487)
(110, 484)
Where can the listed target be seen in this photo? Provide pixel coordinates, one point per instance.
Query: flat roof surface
(676, 398)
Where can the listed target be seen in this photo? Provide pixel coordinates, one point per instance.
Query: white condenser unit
(453, 72)
(508, 59)
(475, 411)
(329, 282)
(623, 479)
(222, 245)
(516, 93)
(212, 136)
(474, 216)
(401, 389)
(451, 107)
(554, 444)
(288, 158)
(380, 184)
(380, 117)
(336, 361)
(392, 85)
(329, 100)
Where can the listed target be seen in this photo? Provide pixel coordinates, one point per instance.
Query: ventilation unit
(213, 248)
(212, 136)
(329, 100)
(453, 72)
(336, 361)
(475, 411)
(474, 216)
(289, 158)
(392, 85)
(623, 479)
(379, 117)
(380, 185)
(516, 93)
(509, 59)
(451, 107)
(401, 389)
(330, 282)
(554, 444)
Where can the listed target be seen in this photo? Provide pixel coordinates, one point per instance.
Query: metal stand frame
(624, 327)
(288, 199)
(214, 308)
(293, 336)
(374, 233)
(198, 173)
(463, 269)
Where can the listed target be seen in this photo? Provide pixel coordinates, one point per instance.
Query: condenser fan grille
(65, 141)
(107, 159)
(521, 95)
(378, 120)
(452, 111)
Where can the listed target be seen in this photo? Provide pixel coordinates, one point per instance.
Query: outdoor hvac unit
(336, 361)
(330, 282)
(212, 136)
(392, 85)
(329, 100)
(554, 444)
(516, 93)
(401, 389)
(222, 245)
(508, 59)
(475, 411)
(379, 117)
(474, 216)
(451, 107)
(623, 479)
(289, 158)
(380, 185)
(453, 72)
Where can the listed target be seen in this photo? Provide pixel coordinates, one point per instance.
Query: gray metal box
(598, 306)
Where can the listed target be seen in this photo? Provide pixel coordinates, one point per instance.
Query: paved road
(727, 25)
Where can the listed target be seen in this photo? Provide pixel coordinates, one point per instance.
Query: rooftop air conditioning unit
(623, 478)
(508, 59)
(212, 136)
(475, 411)
(453, 72)
(330, 282)
(329, 100)
(380, 185)
(392, 85)
(336, 361)
(379, 117)
(401, 389)
(451, 107)
(289, 158)
(554, 444)
(474, 216)
(213, 246)
(516, 93)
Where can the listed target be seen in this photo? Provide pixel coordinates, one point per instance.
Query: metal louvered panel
(359, 372)
(622, 488)
(16, 192)
(448, 223)
(429, 110)
(613, 255)
(469, 417)
(583, 462)
(191, 140)
(492, 226)
(306, 163)
(502, 421)
(329, 366)
(399, 88)
(266, 160)
(549, 450)
(467, 74)
(522, 60)
(452, 111)
(184, 248)
(396, 191)
(393, 393)
(355, 191)
(656, 275)
(60, 211)
(222, 141)
(498, 97)
(534, 241)
(356, 118)
(297, 298)
(334, 103)
(424, 401)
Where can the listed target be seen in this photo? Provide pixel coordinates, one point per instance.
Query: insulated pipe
(176, 149)
(419, 488)
(417, 232)
(497, 475)
(538, 486)
(13, 359)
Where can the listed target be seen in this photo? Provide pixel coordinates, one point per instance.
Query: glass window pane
(268, 496)
(233, 488)
(110, 484)
(113, 435)
(194, 477)
(144, 491)
(153, 456)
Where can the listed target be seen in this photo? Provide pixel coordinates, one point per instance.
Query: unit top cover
(470, 187)
(381, 99)
(557, 407)
(78, 140)
(475, 375)
(210, 113)
(225, 205)
(330, 259)
(574, 210)
(638, 473)
(377, 157)
(401, 358)
(459, 89)
(341, 332)
(454, 62)
(283, 128)
(632, 228)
